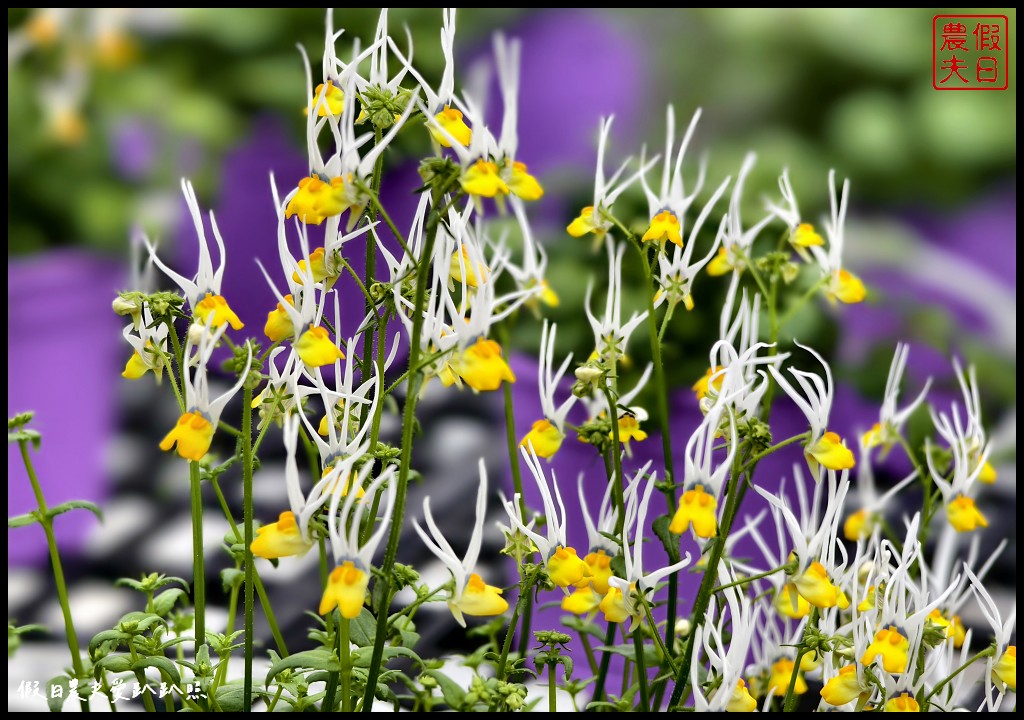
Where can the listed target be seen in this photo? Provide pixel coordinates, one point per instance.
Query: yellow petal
(857, 526)
(600, 570)
(582, 601)
(135, 367)
(904, 703)
(964, 515)
(279, 325)
(565, 568)
(193, 434)
(846, 288)
(315, 348)
(333, 102)
(831, 452)
(705, 385)
(316, 200)
(720, 264)
(585, 223)
(523, 184)
(544, 437)
(480, 599)
(470, 276)
(214, 311)
(789, 603)
(892, 647)
(805, 236)
(614, 606)
(664, 227)
(781, 674)
(483, 179)
(843, 688)
(815, 587)
(451, 120)
(482, 367)
(346, 590)
(317, 262)
(1005, 669)
(741, 700)
(696, 509)
(280, 539)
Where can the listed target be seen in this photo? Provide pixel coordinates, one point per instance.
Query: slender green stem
(661, 393)
(606, 659)
(408, 424)
(510, 430)
(654, 633)
(346, 665)
(375, 202)
(524, 631)
(734, 496)
(616, 453)
(198, 565)
(552, 687)
(790, 700)
(803, 300)
(641, 668)
(334, 676)
(987, 652)
(524, 593)
(591, 660)
(777, 446)
(229, 429)
(749, 579)
(247, 522)
(58, 569)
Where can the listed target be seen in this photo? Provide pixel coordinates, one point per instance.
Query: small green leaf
(56, 703)
(582, 625)
(161, 663)
(112, 663)
(115, 636)
(319, 659)
(363, 630)
(231, 578)
(361, 656)
(231, 697)
(22, 520)
(454, 695)
(165, 601)
(76, 505)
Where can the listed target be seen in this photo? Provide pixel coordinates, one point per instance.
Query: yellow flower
(629, 429)
(614, 606)
(790, 603)
(904, 703)
(565, 568)
(957, 631)
(1005, 669)
(873, 437)
(893, 648)
(585, 223)
(831, 452)
(868, 603)
(843, 688)
(664, 226)
(696, 507)
(583, 601)
(193, 433)
(964, 515)
(316, 200)
(478, 600)
(548, 296)
(482, 366)
(600, 570)
(815, 587)
(781, 675)
(988, 474)
(470, 278)
(279, 325)
(115, 50)
(135, 367)
(720, 264)
(451, 120)
(805, 236)
(846, 288)
(314, 347)
(218, 307)
(483, 179)
(705, 385)
(317, 262)
(545, 438)
(523, 184)
(741, 700)
(280, 539)
(346, 590)
(333, 102)
(857, 526)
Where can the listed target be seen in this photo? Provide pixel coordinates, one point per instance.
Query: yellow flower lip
(317, 199)
(790, 603)
(781, 672)
(346, 590)
(544, 437)
(280, 539)
(333, 102)
(857, 526)
(1005, 669)
(842, 688)
(193, 435)
(904, 703)
(804, 236)
(614, 606)
(600, 565)
(720, 264)
(583, 601)
(279, 324)
(315, 349)
(846, 287)
(451, 120)
(697, 508)
(705, 384)
(524, 185)
(215, 307)
(893, 649)
(741, 699)
(478, 599)
(584, 223)
(482, 366)
(565, 568)
(664, 227)
(483, 179)
(964, 515)
(815, 587)
(831, 452)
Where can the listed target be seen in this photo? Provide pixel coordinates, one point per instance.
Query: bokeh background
(109, 108)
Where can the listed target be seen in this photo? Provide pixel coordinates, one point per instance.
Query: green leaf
(454, 696)
(406, 631)
(670, 541)
(231, 697)
(22, 520)
(319, 659)
(361, 656)
(165, 601)
(115, 636)
(112, 663)
(76, 505)
(231, 578)
(161, 663)
(627, 651)
(31, 436)
(56, 703)
(363, 630)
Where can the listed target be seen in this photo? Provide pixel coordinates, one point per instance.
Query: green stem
(346, 665)
(734, 495)
(803, 300)
(408, 424)
(198, 565)
(616, 453)
(987, 652)
(552, 685)
(591, 660)
(247, 522)
(748, 579)
(510, 432)
(790, 700)
(641, 668)
(58, 569)
(524, 593)
(606, 659)
(524, 631)
(661, 393)
(777, 446)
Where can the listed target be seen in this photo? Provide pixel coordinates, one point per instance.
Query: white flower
(726, 660)
(891, 418)
(470, 595)
(611, 335)
(736, 242)
(672, 195)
